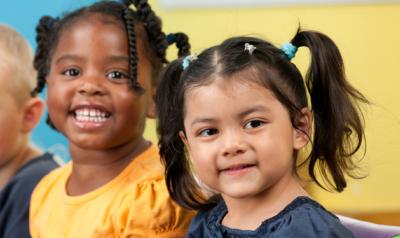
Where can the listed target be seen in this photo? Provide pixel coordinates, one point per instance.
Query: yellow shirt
(134, 204)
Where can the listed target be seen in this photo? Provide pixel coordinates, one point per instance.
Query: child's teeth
(90, 115)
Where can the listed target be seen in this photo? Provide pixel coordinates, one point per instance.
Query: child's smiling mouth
(90, 116)
(237, 169)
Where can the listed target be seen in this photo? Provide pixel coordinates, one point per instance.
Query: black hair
(50, 29)
(338, 127)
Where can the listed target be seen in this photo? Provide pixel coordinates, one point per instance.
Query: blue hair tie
(187, 60)
(50, 23)
(289, 49)
(171, 38)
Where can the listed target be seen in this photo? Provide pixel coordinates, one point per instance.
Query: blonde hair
(16, 58)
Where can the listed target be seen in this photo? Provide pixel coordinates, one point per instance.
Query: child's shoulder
(38, 167)
(22, 184)
(53, 179)
(32, 172)
(146, 166)
(303, 217)
(143, 175)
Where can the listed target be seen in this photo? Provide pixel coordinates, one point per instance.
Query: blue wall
(23, 15)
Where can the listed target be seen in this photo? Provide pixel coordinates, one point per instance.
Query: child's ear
(151, 109)
(302, 132)
(32, 113)
(183, 138)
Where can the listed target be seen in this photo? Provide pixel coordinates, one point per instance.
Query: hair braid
(130, 29)
(153, 27)
(181, 41)
(40, 62)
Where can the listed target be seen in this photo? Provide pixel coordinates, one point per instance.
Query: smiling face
(239, 137)
(88, 95)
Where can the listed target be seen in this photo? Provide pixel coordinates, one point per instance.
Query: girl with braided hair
(100, 64)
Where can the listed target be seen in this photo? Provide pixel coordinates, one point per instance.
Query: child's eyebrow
(117, 58)
(68, 57)
(112, 58)
(257, 108)
(202, 120)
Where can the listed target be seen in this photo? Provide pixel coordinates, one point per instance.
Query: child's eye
(208, 132)
(71, 72)
(253, 124)
(117, 76)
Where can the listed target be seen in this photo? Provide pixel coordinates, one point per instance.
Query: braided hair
(49, 30)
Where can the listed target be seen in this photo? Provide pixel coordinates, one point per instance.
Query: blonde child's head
(16, 64)
(19, 111)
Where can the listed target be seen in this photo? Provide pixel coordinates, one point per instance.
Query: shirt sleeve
(152, 213)
(311, 223)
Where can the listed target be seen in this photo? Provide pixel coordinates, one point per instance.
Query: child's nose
(91, 86)
(234, 144)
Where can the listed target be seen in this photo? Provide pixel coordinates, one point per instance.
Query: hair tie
(171, 38)
(50, 23)
(249, 47)
(289, 49)
(187, 60)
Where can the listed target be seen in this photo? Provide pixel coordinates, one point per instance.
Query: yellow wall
(369, 39)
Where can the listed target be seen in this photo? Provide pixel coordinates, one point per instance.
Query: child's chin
(90, 143)
(241, 192)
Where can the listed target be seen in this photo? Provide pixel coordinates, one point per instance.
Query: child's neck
(262, 206)
(93, 168)
(9, 168)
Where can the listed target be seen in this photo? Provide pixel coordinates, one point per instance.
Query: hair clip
(171, 38)
(249, 47)
(289, 49)
(187, 60)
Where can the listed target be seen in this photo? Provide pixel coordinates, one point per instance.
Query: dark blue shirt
(303, 217)
(16, 195)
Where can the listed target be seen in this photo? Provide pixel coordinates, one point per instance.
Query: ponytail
(157, 38)
(181, 41)
(181, 185)
(338, 122)
(153, 28)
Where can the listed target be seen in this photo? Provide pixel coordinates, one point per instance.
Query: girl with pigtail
(233, 119)
(100, 64)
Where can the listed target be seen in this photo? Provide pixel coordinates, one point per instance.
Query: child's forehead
(231, 84)
(97, 19)
(92, 31)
